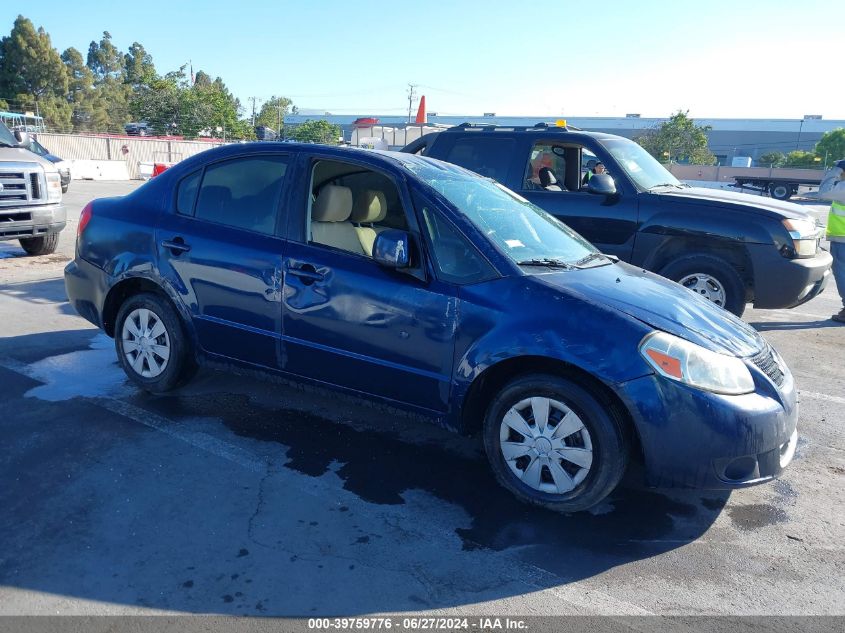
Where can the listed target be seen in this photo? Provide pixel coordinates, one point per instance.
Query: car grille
(765, 361)
(22, 184)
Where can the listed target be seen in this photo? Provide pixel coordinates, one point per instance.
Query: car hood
(659, 303)
(743, 201)
(20, 155)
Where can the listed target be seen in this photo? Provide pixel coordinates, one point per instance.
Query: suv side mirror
(392, 249)
(22, 138)
(601, 184)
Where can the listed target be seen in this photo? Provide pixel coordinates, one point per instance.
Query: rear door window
(490, 157)
(186, 193)
(243, 193)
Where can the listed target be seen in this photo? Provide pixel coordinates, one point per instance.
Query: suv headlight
(54, 187)
(805, 236)
(693, 365)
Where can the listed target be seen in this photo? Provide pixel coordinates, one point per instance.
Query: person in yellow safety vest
(833, 188)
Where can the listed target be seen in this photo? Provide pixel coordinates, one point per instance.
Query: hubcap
(546, 445)
(146, 344)
(708, 287)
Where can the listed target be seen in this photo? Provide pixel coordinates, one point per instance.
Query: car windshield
(6, 137)
(640, 166)
(524, 232)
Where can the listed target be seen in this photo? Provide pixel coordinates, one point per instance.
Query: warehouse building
(728, 138)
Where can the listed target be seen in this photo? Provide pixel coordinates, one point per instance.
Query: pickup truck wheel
(711, 277)
(151, 344)
(551, 443)
(780, 191)
(40, 245)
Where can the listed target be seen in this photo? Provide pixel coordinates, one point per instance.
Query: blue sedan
(423, 286)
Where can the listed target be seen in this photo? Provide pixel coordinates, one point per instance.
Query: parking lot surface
(240, 495)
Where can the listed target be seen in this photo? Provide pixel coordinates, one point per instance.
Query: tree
(138, 65)
(104, 59)
(772, 159)
(273, 113)
(320, 131)
(831, 146)
(29, 65)
(678, 139)
(800, 158)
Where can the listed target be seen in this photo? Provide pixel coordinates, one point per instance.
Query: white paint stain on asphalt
(821, 396)
(91, 373)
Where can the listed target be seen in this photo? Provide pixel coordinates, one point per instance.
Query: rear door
(220, 247)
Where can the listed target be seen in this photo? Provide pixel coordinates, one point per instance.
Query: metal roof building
(728, 138)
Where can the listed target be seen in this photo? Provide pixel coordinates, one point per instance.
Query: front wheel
(552, 443)
(711, 277)
(44, 245)
(151, 344)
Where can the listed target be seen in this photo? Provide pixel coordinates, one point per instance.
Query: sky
(717, 59)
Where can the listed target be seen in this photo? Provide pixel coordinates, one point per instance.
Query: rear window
(242, 193)
(490, 157)
(187, 193)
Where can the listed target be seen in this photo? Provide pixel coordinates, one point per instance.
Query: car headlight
(54, 187)
(805, 236)
(693, 365)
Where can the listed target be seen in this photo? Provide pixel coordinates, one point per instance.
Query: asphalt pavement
(240, 495)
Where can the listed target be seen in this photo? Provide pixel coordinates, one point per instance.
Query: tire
(605, 438)
(780, 191)
(158, 372)
(696, 272)
(40, 245)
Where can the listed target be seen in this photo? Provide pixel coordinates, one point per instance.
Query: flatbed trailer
(779, 188)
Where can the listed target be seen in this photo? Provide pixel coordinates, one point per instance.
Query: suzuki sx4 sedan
(426, 287)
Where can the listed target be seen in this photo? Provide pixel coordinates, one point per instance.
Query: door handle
(176, 246)
(306, 272)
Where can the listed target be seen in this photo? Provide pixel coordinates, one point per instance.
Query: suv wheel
(711, 277)
(551, 443)
(40, 245)
(151, 344)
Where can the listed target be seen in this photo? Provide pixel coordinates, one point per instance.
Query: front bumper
(785, 283)
(31, 221)
(697, 439)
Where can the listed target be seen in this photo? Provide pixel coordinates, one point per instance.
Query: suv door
(347, 320)
(220, 248)
(609, 222)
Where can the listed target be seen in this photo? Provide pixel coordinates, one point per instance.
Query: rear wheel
(151, 344)
(780, 191)
(711, 277)
(552, 443)
(40, 245)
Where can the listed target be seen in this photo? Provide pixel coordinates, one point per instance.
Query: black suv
(731, 248)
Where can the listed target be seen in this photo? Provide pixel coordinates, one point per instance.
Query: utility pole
(411, 94)
(279, 123)
(253, 99)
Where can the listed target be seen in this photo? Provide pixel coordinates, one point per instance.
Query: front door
(608, 222)
(349, 321)
(220, 248)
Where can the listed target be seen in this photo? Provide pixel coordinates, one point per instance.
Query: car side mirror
(392, 249)
(22, 138)
(601, 184)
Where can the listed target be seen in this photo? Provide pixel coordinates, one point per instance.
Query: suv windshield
(6, 137)
(640, 166)
(522, 231)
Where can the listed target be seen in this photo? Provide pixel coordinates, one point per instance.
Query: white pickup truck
(31, 209)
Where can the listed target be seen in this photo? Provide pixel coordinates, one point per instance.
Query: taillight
(84, 218)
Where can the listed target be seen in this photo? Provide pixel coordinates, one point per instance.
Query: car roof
(544, 130)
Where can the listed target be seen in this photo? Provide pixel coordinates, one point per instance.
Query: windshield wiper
(591, 257)
(665, 184)
(5, 144)
(548, 262)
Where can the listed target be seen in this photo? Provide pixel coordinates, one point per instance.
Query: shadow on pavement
(333, 519)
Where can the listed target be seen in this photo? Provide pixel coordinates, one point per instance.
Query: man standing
(833, 188)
